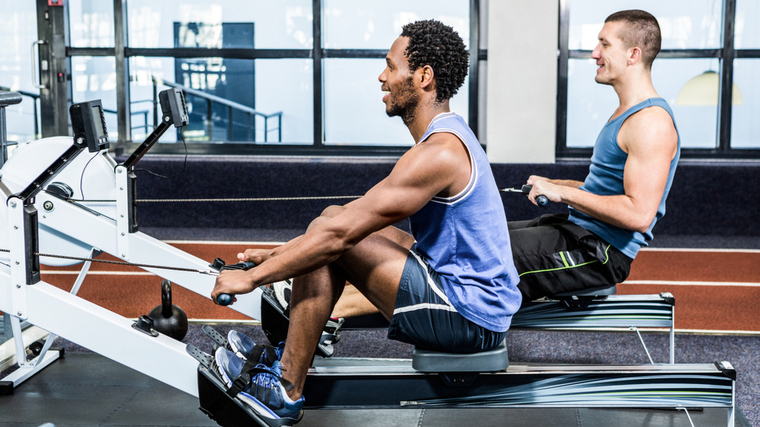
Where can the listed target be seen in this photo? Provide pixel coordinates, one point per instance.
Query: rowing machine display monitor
(89, 125)
(173, 107)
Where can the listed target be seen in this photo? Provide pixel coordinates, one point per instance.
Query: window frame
(122, 53)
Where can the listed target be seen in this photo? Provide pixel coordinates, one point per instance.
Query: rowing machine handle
(226, 299)
(540, 200)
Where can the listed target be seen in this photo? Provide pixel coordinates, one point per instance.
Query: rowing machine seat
(485, 361)
(581, 298)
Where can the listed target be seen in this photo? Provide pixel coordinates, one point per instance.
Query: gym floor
(87, 389)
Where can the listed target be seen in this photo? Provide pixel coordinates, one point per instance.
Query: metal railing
(35, 100)
(231, 107)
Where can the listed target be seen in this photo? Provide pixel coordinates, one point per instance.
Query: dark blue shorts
(424, 316)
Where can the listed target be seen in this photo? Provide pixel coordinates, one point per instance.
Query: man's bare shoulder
(649, 128)
(443, 147)
(440, 161)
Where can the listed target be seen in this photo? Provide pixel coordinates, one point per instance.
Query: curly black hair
(438, 45)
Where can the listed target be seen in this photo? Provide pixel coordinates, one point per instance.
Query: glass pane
(363, 24)
(91, 23)
(95, 78)
(685, 24)
(745, 127)
(277, 89)
(747, 24)
(697, 124)
(354, 111)
(17, 35)
(282, 24)
(590, 105)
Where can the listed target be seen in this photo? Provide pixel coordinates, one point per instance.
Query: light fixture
(703, 90)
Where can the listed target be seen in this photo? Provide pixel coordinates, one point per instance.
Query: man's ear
(634, 55)
(426, 77)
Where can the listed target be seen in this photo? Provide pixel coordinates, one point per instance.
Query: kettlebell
(167, 318)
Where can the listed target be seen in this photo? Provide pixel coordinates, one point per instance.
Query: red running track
(715, 290)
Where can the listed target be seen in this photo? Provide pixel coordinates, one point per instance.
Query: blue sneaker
(243, 346)
(265, 394)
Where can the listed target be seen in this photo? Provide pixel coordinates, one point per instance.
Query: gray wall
(522, 81)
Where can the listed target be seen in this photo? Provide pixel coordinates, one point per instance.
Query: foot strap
(249, 371)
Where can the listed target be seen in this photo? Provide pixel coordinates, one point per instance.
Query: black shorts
(424, 316)
(553, 255)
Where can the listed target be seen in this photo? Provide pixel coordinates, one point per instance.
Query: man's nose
(596, 53)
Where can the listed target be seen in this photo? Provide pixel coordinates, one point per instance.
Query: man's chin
(392, 112)
(602, 80)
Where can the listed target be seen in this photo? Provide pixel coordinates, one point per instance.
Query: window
(15, 69)
(745, 126)
(91, 23)
(281, 24)
(354, 113)
(361, 24)
(260, 76)
(286, 77)
(95, 78)
(269, 101)
(695, 45)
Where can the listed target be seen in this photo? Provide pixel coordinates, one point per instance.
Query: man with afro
(450, 285)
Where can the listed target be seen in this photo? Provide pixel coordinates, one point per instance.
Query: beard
(404, 103)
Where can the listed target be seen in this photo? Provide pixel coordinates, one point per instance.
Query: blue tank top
(465, 239)
(605, 178)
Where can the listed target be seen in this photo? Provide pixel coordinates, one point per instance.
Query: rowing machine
(483, 380)
(91, 205)
(28, 298)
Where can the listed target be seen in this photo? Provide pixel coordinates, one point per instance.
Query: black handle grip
(540, 200)
(226, 299)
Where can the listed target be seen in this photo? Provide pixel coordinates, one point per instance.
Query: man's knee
(332, 211)
(327, 213)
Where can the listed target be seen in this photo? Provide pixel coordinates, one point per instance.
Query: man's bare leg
(352, 303)
(374, 266)
(311, 302)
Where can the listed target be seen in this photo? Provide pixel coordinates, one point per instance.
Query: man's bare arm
(650, 140)
(422, 173)
(563, 182)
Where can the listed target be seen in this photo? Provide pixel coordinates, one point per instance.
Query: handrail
(188, 91)
(35, 99)
(231, 105)
(214, 98)
(22, 92)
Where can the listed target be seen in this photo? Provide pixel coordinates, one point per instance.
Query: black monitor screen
(98, 119)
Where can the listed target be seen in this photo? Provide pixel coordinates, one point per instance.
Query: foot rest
(485, 361)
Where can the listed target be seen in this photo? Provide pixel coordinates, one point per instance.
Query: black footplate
(275, 320)
(215, 399)
(215, 336)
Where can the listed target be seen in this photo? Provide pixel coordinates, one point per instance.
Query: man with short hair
(613, 211)
(449, 286)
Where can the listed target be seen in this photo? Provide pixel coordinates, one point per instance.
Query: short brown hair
(642, 30)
